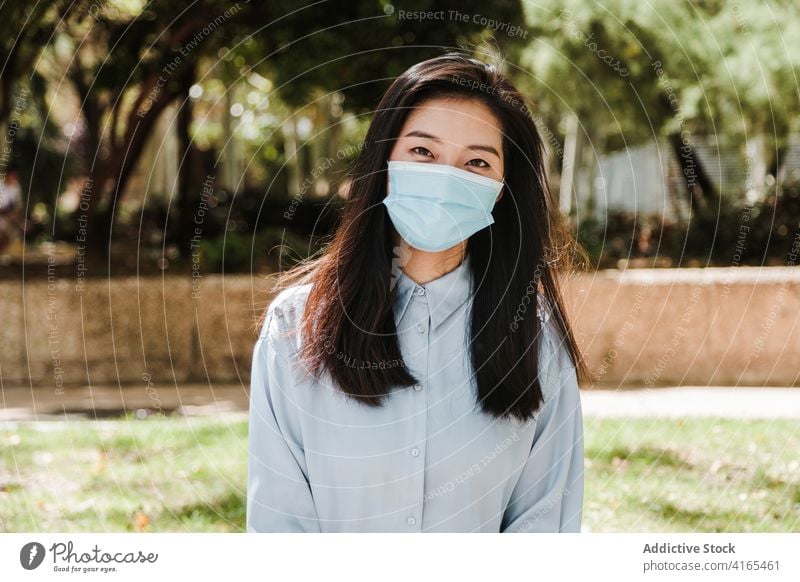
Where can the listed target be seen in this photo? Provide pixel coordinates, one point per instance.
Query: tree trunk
(570, 165)
(187, 177)
(699, 188)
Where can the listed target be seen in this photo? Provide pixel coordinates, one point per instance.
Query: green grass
(179, 475)
(136, 475)
(705, 475)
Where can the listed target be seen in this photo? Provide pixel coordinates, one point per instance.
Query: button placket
(419, 450)
(417, 337)
(416, 451)
(416, 328)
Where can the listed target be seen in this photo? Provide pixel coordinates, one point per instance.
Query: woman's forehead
(455, 120)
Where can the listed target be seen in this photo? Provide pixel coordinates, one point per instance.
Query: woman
(421, 374)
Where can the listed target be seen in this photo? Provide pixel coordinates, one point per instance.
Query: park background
(160, 159)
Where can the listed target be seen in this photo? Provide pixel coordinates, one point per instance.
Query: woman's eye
(478, 163)
(422, 151)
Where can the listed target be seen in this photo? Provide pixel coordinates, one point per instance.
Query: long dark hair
(349, 306)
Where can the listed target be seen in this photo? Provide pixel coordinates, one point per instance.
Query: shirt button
(418, 387)
(411, 520)
(415, 452)
(420, 291)
(421, 328)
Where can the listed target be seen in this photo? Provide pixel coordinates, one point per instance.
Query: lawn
(159, 474)
(704, 475)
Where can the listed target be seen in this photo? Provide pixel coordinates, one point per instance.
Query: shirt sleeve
(279, 497)
(548, 497)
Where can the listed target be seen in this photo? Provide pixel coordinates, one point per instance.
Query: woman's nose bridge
(452, 153)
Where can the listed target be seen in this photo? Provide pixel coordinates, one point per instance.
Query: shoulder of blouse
(555, 360)
(282, 321)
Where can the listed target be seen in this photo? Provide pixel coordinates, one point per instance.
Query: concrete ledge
(676, 327)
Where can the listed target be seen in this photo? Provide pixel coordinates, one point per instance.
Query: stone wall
(129, 330)
(714, 326)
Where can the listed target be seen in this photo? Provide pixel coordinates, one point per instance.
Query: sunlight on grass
(706, 475)
(129, 475)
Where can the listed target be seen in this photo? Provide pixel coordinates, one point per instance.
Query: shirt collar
(444, 294)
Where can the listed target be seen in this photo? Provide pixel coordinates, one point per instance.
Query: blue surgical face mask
(435, 206)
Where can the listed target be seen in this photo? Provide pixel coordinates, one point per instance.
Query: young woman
(421, 374)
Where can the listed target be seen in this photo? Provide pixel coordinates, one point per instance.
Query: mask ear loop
(500, 194)
(386, 170)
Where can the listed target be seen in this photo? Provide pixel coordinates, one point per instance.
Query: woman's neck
(423, 266)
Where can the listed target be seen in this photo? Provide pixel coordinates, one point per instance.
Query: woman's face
(458, 132)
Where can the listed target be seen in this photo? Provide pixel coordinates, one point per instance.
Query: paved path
(18, 404)
(693, 401)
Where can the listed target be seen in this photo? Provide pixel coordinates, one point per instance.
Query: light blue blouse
(429, 460)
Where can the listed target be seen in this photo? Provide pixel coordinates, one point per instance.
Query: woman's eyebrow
(479, 147)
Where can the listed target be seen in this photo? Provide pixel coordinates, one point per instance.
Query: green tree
(633, 71)
(128, 60)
